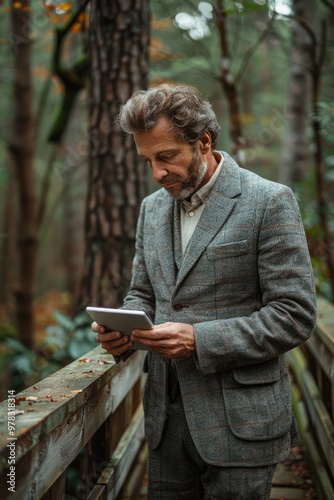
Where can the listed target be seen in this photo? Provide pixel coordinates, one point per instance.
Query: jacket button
(177, 307)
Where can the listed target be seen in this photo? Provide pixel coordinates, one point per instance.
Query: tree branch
(252, 50)
(73, 78)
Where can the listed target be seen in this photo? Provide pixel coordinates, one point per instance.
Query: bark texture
(118, 45)
(22, 150)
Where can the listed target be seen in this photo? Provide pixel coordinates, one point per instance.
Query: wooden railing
(77, 434)
(312, 369)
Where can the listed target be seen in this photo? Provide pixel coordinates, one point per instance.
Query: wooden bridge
(79, 434)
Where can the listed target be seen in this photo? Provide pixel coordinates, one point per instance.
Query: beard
(186, 187)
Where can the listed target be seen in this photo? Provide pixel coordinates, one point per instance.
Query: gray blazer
(245, 283)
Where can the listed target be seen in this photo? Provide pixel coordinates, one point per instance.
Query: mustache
(169, 179)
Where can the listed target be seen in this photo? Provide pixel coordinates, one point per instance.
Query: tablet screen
(122, 320)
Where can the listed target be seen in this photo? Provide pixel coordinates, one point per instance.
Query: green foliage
(70, 338)
(66, 341)
(22, 363)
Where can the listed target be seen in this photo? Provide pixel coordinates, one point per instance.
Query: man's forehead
(161, 136)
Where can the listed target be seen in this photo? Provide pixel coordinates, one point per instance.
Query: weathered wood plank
(98, 493)
(57, 490)
(325, 323)
(43, 436)
(128, 448)
(286, 478)
(132, 487)
(115, 472)
(324, 484)
(323, 426)
(323, 356)
(317, 466)
(286, 494)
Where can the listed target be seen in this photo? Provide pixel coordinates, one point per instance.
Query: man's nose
(158, 171)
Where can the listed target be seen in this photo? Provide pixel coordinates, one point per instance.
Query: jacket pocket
(228, 249)
(258, 402)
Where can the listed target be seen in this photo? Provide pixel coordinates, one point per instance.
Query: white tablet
(121, 320)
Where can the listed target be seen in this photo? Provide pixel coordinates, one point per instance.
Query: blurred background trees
(71, 183)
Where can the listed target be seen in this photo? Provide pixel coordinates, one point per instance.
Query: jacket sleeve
(288, 313)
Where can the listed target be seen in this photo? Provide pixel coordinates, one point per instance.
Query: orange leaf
(82, 17)
(65, 6)
(6, 9)
(76, 28)
(17, 5)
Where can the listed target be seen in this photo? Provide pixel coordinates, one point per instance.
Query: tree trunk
(7, 245)
(22, 147)
(296, 154)
(229, 85)
(118, 44)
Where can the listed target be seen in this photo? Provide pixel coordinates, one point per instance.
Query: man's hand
(112, 341)
(171, 340)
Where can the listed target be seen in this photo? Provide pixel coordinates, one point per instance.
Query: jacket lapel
(218, 207)
(165, 244)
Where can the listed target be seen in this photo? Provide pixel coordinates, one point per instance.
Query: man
(222, 269)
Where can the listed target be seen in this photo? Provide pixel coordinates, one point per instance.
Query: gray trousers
(176, 471)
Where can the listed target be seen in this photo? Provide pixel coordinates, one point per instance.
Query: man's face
(175, 165)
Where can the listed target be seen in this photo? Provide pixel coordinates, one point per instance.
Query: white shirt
(191, 211)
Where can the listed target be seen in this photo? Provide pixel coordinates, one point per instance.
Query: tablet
(122, 320)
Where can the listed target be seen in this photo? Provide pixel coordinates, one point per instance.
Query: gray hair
(190, 115)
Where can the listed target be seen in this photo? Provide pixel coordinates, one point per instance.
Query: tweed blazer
(245, 283)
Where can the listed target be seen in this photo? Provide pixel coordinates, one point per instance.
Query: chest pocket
(232, 249)
(232, 263)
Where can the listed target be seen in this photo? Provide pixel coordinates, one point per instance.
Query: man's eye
(166, 158)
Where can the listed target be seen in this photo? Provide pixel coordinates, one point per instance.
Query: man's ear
(205, 142)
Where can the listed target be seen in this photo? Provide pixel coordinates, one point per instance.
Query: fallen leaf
(104, 362)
